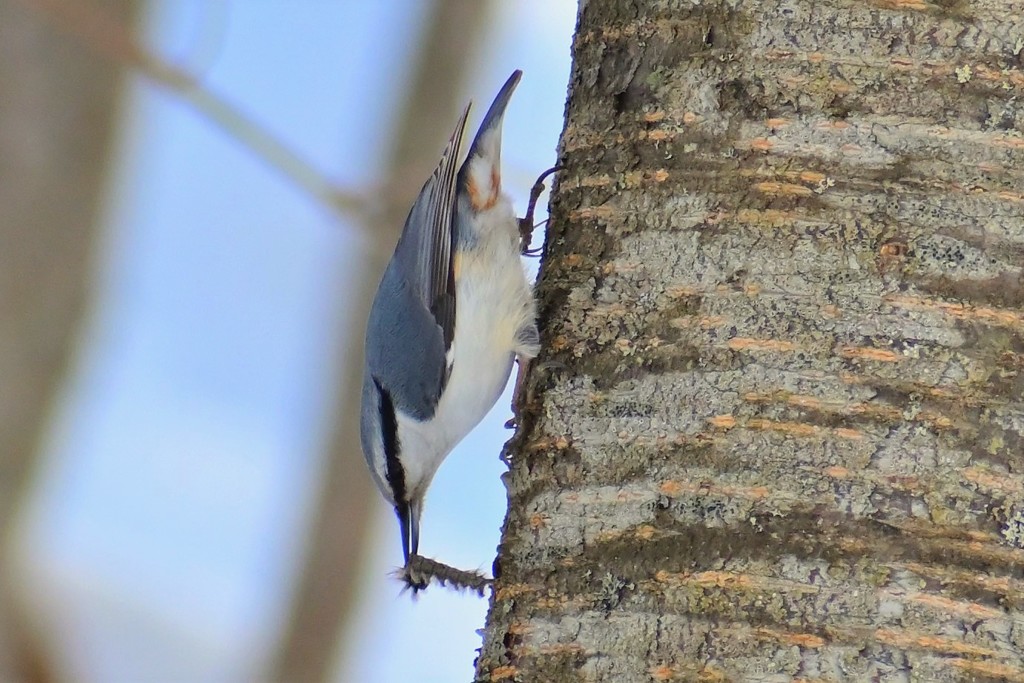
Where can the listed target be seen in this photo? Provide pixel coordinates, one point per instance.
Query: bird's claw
(526, 224)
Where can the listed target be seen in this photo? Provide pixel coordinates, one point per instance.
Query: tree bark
(776, 429)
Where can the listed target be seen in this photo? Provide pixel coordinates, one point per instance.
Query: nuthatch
(452, 312)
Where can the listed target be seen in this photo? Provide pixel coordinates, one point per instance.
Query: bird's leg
(519, 392)
(526, 225)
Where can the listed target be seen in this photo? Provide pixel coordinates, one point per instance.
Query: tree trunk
(776, 429)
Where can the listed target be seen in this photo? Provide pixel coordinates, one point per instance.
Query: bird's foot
(526, 224)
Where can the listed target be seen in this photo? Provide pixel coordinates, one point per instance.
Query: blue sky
(165, 523)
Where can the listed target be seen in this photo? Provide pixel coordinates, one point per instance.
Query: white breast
(493, 302)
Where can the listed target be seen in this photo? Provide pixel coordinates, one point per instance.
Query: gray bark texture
(776, 431)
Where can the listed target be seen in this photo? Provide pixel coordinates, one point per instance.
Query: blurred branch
(105, 35)
(328, 586)
(52, 184)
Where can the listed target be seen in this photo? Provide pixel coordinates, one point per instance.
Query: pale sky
(162, 533)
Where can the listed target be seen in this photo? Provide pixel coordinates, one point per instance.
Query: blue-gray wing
(412, 322)
(405, 349)
(426, 247)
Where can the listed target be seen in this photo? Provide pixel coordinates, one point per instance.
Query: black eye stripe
(389, 434)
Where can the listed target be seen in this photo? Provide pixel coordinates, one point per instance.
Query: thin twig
(419, 571)
(106, 36)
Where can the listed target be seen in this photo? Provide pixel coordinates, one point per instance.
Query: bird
(453, 311)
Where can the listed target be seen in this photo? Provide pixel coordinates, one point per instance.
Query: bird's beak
(409, 523)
